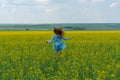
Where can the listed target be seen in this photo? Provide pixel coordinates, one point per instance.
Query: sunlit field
(90, 55)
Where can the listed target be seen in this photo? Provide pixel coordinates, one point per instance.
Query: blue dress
(58, 44)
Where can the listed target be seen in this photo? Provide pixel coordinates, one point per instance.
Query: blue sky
(59, 11)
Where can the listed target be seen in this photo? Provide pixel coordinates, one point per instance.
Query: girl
(57, 39)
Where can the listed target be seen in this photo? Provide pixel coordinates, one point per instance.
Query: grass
(90, 55)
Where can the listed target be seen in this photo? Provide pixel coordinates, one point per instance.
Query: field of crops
(90, 55)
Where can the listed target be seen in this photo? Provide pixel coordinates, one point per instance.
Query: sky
(59, 11)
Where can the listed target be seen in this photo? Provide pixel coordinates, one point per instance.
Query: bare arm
(64, 38)
(49, 41)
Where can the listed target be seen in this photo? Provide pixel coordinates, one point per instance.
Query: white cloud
(18, 1)
(42, 1)
(49, 10)
(3, 3)
(114, 4)
(13, 10)
(81, 1)
(95, 1)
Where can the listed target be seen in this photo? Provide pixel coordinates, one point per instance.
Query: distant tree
(27, 29)
(78, 28)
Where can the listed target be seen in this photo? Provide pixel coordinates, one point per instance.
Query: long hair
(58, 31)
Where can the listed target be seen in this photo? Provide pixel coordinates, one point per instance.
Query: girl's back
(57, 38)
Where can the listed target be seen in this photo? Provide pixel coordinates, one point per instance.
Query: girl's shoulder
(54, 35)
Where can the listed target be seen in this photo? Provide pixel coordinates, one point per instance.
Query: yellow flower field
(90, 55)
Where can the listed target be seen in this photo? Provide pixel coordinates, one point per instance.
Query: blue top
(57, 38)
(58, 44)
